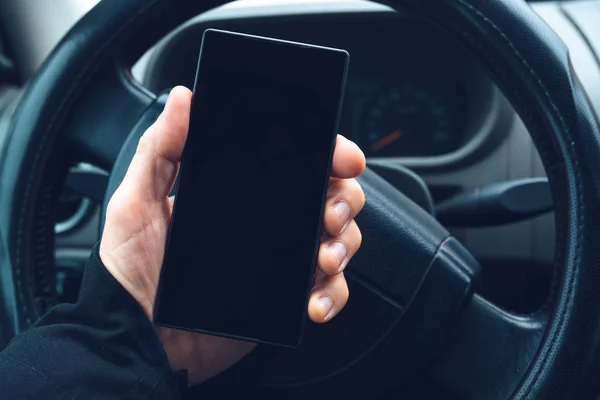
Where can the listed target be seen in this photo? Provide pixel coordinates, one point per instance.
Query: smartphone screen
(246, 223)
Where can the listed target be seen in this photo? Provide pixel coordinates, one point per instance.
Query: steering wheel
(413, 287)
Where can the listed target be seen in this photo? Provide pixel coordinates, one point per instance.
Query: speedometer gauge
(408, 121)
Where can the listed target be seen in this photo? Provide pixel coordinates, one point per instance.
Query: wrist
(135, 283)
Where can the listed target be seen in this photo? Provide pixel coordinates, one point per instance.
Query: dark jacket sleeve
(101, 347)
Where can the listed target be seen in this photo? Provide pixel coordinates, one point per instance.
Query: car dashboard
(412, 95)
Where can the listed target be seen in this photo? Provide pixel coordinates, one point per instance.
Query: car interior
(479, 273)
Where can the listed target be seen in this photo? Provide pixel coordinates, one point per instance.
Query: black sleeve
(101, 347)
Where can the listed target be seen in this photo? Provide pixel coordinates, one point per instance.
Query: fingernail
(339, 251)
(342, 212)
(327, 306)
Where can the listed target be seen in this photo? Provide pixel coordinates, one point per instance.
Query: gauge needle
(386, 140)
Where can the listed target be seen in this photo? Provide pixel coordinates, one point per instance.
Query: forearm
(103, 346)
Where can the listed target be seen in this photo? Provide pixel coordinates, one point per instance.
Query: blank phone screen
(244, 235)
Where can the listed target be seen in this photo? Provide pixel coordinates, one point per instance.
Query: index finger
(348, 159)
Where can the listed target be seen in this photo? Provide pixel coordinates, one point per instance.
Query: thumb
(154, 166)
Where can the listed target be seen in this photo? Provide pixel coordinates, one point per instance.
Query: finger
(348, 159)
(153, 168)
(169, 132)
(345, 199)
(336, 252)
(328, 298)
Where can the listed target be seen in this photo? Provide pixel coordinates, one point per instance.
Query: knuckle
(332, 224)
(113, 205)
(344, 292)
(144, 143)
(327, 262)
(348, 190)
(359, 237)
(358, 194)
(334, 189)
(122, 209)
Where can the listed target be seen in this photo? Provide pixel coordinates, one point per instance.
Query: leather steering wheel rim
(526, 59)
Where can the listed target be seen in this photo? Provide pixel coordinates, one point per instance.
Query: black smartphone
(246, 226)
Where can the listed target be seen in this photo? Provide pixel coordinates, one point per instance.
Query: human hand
(137, 222)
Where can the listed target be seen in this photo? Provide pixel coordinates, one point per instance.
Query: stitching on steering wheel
(46, 136)
(545, 351)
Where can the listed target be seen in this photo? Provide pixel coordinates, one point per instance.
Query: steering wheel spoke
(409, 282)
(488, 351)
(102, 120)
